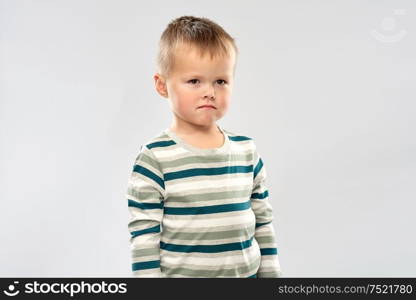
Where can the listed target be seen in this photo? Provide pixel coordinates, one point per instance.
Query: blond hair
(202, 33)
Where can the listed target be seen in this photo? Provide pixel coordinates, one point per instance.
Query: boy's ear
(160, 84)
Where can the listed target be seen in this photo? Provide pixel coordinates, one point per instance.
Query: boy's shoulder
(246, 141)
(157, 140)
(234, 136)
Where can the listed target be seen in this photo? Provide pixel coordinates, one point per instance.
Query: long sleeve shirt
(201, 212)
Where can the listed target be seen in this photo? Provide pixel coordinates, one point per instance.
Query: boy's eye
(219, 81)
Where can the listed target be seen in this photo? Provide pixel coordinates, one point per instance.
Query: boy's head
(196, 65)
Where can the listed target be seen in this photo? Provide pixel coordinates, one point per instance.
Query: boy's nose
(210, 93)
(210, 96)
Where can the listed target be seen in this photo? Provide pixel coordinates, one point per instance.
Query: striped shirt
(200, 212)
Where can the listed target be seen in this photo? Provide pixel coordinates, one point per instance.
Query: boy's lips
(207, 106)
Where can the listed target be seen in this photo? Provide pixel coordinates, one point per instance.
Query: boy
(197, 195)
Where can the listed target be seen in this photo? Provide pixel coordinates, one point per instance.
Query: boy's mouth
(207, 106)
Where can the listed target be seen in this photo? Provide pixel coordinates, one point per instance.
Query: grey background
(326, 89)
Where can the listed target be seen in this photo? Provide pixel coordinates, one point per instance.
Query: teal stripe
(258, 167)
(147, 230)
(206, 248)
(261, 224)
(268, 251)
(160, 144)
(146, 265)
(239, 138)
(252, 276)
(208, 171)
(260, 195)
(133, 203)
(146, 172)
(207, 209)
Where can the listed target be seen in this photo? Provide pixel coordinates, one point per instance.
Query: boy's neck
(205, 138)
(195, 130)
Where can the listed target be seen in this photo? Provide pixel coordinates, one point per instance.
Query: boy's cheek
(184, 105)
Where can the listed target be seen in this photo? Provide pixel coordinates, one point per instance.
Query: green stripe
(203, 236)
(206, 248)
(208, 196)
(145, 252)
(239, 138)
(272, 274)
(263, 195)
(147, 230)
(147, 157)
(146, 172)
(207, 172)
(160, 144)
(133, 203)
(179, 162)
(261, 224)
(258, 167)
(232, 272)
(146, 265)
(268, 251)
(207, 209)
(265, 239)
(143, 195)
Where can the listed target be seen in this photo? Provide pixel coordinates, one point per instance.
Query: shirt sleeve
(264, 231)
(145, 195)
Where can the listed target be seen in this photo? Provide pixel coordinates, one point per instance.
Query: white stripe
(218, 183)
(163, 152)
(176, 222)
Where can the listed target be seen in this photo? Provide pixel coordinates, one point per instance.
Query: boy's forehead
(189, 59)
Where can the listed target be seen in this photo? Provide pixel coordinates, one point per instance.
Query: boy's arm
(145, 195)
(264, 232)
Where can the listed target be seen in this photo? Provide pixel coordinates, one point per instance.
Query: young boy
(197, 195)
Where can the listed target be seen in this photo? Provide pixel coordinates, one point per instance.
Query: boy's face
(197, 81)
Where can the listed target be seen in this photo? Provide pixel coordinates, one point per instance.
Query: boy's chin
(205, 124)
